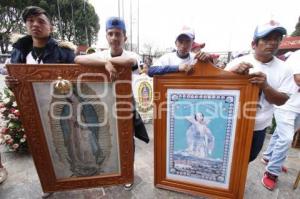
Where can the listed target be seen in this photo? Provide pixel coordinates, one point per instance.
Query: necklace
(38, 53)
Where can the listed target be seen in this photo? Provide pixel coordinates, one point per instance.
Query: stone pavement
(23, 182)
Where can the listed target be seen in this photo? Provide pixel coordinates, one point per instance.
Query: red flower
(4, 130)
(2, 105)
(10, 141)
(16, 113)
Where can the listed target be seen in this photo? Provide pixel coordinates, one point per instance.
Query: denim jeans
(257, 143)
(280, 141)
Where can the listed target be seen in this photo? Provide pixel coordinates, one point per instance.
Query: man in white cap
(288, 121)
(180, 60)
(268, 73)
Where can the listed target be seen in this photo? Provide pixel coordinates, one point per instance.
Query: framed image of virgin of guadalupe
(78, 123)
(203, 126)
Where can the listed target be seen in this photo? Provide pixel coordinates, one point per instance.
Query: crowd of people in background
(278, 81)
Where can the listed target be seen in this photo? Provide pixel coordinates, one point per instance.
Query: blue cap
(265, 29)
(115, 22)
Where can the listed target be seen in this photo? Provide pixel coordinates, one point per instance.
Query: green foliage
(297, 29)
(75, 21)
(10, 21)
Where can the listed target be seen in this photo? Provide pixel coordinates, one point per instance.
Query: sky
(224, 25)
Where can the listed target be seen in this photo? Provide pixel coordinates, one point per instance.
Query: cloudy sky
(222, 25)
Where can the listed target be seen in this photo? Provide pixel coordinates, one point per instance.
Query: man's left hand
(260, 79)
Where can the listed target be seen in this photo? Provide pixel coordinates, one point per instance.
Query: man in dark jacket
(38, 47)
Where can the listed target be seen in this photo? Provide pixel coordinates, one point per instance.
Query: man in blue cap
(117, 55)
(268, 73)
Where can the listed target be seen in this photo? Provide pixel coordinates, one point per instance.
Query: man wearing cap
(180, 60)
(117, 55)
(287, 122)
(268, 73)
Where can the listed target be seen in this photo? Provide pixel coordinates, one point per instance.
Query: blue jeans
(257, 143)
(280, 141)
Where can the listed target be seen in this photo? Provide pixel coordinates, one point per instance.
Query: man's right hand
(10, 81)
(112, 71)
(242, 68)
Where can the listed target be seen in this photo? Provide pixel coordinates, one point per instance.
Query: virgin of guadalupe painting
(200, 135)
(142, 86)
(80, 130)
(79, 124)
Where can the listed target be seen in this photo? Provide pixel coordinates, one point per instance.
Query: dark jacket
(53, 52)
(140, 131)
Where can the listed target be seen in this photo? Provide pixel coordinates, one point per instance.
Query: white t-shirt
(277, 76)
(172, 59)
(31, 60)
(105, 54)
(293, 63)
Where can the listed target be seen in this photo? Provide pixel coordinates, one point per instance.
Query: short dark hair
(34, 11)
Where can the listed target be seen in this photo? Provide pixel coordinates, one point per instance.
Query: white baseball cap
(185, 30)
(265, 29)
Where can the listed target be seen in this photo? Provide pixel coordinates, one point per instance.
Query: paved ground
(23, 182)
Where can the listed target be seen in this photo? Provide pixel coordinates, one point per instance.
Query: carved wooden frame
(25, 97)
(207, 77)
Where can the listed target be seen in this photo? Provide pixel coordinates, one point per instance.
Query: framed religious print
(142, 86)
(203, 126)
(78, 124)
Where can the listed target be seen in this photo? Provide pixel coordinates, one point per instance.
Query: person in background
(180, 60)
(196, 47)
(287, 122)
(117, 55)
(147, 63)
(90, 50)
(268, 73)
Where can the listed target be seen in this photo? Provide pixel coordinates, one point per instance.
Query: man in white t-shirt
(282, 137)
(268, 73)
(117, 55)
(180, 60)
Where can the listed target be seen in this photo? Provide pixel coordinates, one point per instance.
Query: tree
(297, 29)
(10, 15)
(75, 20)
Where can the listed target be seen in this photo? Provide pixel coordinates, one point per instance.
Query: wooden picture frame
(79, 128)
(203, 125)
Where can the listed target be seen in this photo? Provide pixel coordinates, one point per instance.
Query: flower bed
(12, 133)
